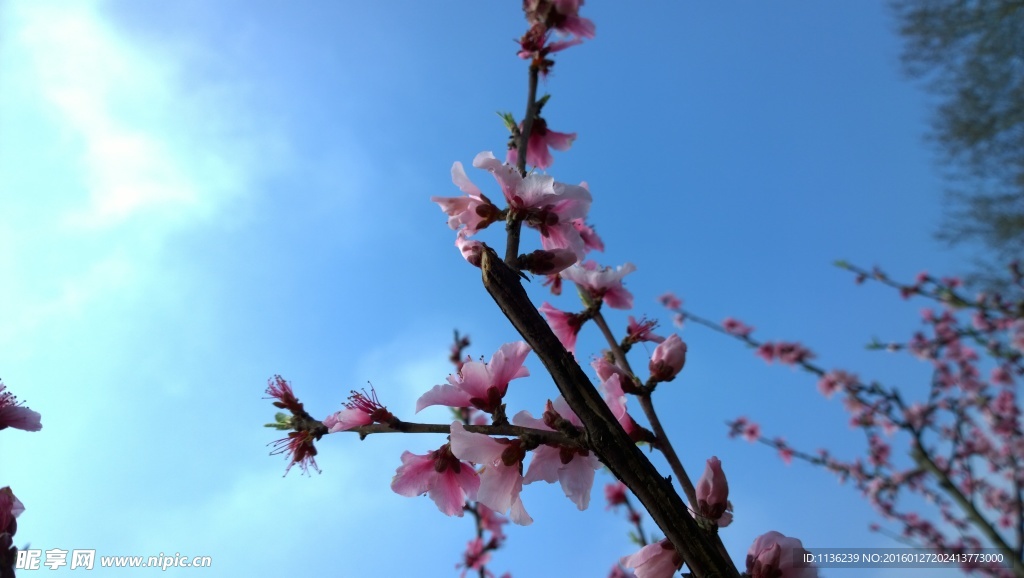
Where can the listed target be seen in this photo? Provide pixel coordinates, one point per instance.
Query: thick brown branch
(610, 442)
(645, 402)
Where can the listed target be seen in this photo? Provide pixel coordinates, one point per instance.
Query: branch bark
(610, 442)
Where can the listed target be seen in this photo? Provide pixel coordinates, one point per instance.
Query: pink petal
(454, 207)
(499, 486)
(506, 175)
(507, 364)
(564, 236)
(526, 419)
(562, 408)
(449, 490)
(577, 478)
(544, 465)
(476, 448)
(347, 419)
(413, 477)
(472, 251)
(560, 141)
(443, 395)
(537, 153)
(535, 191)
(518, 514)
(462, 181)
(20, 417)
(652, 561)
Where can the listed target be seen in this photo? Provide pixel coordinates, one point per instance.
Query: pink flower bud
(10, 508)
(471, 250)
(668, 359)
(712, 490)
(544, 262)
(773, 555)
(615, 494)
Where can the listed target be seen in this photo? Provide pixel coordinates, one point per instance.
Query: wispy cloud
(106, 151)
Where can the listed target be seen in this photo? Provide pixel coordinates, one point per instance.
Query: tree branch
(611, 444)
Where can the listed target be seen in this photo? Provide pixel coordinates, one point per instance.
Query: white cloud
(104, 152)
(138, 140)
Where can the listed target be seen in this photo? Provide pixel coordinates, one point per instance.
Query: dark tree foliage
(970, 54)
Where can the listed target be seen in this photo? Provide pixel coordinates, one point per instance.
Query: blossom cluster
(13, 414)
(969, 416)
(488, 458)
(556, 210)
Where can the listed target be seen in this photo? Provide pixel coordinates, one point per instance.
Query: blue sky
(198, 195)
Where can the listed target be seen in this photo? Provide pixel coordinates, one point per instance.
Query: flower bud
(773, 555)
(668, 359)
(712, 490)
(471, 250)
(545, 262)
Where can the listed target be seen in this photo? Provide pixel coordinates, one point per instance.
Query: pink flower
(448, 481)
(773, 555)
(476, 557)
(281, 390)
(545, 262)
(535, 46)
(10, 508)
(766, 351)
(642, 330)
(480, 385)
(13, 414)
(573, 468)
(917, 415)
(541, 139)
(792, 353)
(834, 381)
(1001, 375)
(491, 521)
(657, 560)
(500, 480)
(361, 409)
(603, 283)
(736, 327)
(613, 387)
(471, 250)
(473, 211)
(565, 325)
(668, 359)
(615, 494)
(567, 19)
(299, 446)
(1004, 413)
(713, 492)
(670, 301)
(752, 432)
(785, 352)
(748, 429)
(605, 369)
(1017, 338)
(555, 281)
(590, 239)
(785, 452)
(544, 204)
